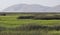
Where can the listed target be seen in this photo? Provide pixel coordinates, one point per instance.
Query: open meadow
(10, 25)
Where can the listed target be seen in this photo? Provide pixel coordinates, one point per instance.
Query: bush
(25, 17)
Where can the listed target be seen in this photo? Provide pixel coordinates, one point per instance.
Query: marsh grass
(11, 21)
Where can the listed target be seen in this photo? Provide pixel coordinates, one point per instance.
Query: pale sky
(6, 3)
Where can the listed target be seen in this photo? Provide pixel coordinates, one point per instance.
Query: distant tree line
(44, 17)
(2, 14)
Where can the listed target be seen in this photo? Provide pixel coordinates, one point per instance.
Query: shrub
(25, 17)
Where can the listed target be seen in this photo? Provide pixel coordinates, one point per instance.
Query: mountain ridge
(31, 8)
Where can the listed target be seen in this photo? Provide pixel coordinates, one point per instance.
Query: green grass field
(11, 21)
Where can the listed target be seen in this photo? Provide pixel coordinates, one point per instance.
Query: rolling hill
(31, 8)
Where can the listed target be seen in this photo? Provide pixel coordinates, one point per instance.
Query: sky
(6, 3)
